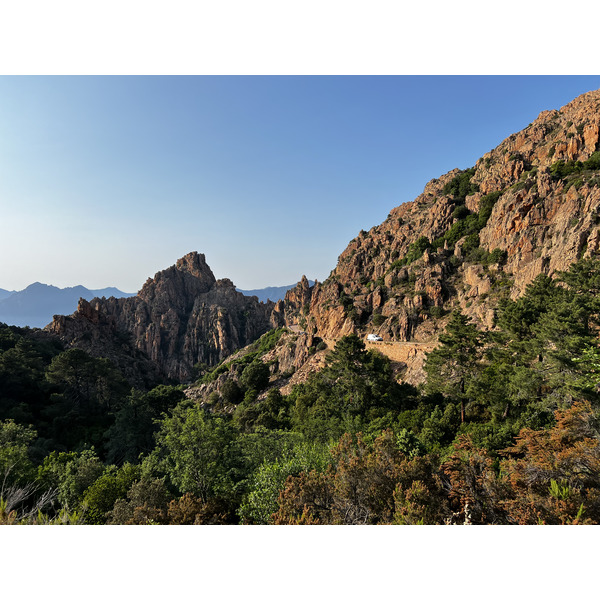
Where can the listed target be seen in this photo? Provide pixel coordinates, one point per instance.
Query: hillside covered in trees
(505, 430)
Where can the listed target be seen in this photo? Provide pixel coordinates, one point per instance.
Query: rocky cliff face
(181, 317)
(527, 207)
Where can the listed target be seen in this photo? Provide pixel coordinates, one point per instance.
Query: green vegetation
(378, 319)
(486, 204)
(460, 187)
(466, 225)
(562, 169)
(414, 252)
(505, 430)
(254, 352)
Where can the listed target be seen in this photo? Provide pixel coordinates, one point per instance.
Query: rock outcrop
(529, 206)
(538, 213)
(181, 317)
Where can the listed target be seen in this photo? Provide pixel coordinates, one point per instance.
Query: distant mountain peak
(35, 305)
(273, 293)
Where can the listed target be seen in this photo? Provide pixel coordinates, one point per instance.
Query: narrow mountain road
(395, 351)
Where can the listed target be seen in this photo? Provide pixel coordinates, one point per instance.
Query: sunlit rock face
(540, 222)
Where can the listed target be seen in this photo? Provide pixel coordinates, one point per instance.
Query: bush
(414, 252)
(486, 205)
(471, 242)
(561, 169)
(458, 230)
(231, 392)
(460, 212)
(593, 162)
(213, 398)
(378, 319)
(497, 256)
(436, 311)
(255, 376)
(460, 187)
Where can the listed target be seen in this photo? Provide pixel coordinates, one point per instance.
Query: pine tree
(452, 368)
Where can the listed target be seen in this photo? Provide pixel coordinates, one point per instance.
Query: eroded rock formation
(181, 317)
(541, 221)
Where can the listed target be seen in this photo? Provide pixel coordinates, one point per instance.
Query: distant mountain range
(38, 303)
(270, 293)
(5, 294)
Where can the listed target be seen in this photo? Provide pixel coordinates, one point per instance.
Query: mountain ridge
(529, 206)
(35, 305)
(529, 192)
(181, 317)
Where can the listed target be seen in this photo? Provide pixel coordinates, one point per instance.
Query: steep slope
(181, 317)
(530, 206)
(38, 303)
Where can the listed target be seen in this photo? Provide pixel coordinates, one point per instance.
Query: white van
(373, 337)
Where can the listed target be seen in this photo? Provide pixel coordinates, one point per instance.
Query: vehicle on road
(373, 337)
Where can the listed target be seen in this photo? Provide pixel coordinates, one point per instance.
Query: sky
(105, 180)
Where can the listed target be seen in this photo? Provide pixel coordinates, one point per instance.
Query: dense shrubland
(505, 430)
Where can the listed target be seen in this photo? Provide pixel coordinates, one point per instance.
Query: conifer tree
(452, 368)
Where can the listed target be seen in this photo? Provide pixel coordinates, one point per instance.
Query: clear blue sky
(106, 180)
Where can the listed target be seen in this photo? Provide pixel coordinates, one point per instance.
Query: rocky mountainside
(181, 317)
(529, 206)
(473, 237)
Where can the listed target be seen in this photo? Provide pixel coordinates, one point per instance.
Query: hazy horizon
(107, 180)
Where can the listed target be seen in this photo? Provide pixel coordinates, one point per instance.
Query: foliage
(366, 484)
(460, 187)
(553, 475)
(451, 369)
(269, 480)
(486, 204)
(272, 412)
(562, 169)
(195, 451)
(146, 504)
(100, 497)
(70, 473)
(15, 465)
(378, 319)
(415, 251)
(355, 388)
(256, 350)
(255, 376)
(505, 430)
(136, 422)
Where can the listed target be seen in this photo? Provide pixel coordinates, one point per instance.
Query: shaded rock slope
(181, 317)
